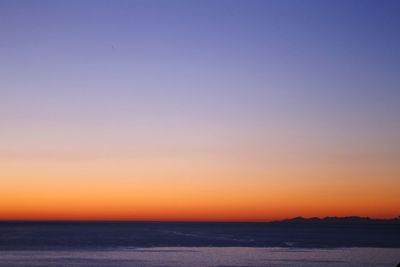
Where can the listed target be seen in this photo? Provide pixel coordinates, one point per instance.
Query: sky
(199, 110)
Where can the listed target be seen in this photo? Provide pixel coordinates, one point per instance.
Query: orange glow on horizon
(98, 191)
(196, 189)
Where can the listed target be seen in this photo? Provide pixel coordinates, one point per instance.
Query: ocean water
(110, 235)
(204, 256)
(148, 244)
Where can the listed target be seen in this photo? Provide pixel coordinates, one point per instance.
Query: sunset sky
(199, 110)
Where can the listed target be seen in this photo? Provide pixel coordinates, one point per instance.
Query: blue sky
(273, 83)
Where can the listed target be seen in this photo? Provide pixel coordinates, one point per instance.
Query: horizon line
(198, 221)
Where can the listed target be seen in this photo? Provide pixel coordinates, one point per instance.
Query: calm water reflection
(178, 256)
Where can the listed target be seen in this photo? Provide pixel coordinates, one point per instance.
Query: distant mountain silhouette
(346, 220)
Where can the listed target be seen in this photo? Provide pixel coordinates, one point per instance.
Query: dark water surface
(156, 244)
(106, 235)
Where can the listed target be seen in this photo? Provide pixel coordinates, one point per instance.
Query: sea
(162, 244)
